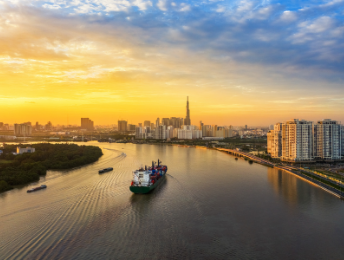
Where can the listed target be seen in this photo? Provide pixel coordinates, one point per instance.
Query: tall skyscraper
(187, 120)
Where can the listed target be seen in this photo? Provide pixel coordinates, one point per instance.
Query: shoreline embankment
(318, 183)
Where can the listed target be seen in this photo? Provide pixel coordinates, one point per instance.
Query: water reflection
(298, 192)
(210, 206)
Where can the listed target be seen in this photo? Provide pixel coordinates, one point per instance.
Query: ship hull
(144, 190)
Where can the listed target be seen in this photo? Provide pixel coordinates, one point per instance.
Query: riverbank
(25, 168)
(324, 184)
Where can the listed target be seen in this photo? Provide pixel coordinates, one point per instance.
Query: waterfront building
(327, 140)
(22, 129)
(175, 132)
(86, 123)
(140, 133)
(189, 132)
(25, 150)
(207, 131)
(169, 132)
(122, 126)
(342, 141)
(187, 120)
(214, 129)
(270, 142)
(297, 140)
(196, 134)
(184, 134)
(160, 132)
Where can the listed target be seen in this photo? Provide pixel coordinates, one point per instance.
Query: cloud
(288, 16)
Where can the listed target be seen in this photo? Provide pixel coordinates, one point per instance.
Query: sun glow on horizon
(138, 60)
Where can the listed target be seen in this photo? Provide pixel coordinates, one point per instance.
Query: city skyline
(254, 62)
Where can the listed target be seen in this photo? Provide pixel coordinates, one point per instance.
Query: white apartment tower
(297, 140)
(327, 140)
(160, 132)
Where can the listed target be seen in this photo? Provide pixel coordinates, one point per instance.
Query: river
(209, 207)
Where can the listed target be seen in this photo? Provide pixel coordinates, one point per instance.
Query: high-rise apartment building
(187, 120)
(169, 132)
(300, 140)
(122, 126)
(157, 122)
(342, 141)
(86, 123)
(327, 140)
(140, 133)
(292, 141)
(160, 132)
(189, 132)
(297, 140)
(22, 129)
(274, 137)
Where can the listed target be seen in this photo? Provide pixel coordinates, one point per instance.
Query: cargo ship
(147, 179)
(37, 188)
(105, 170)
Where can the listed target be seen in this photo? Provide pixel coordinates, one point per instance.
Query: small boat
(146, 180)
(105, 170)
(37, 188)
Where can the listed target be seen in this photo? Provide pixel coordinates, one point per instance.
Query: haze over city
(241, 62)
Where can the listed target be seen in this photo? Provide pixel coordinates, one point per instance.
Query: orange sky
(62, 68)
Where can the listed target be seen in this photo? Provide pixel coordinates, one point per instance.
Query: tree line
(27, 167)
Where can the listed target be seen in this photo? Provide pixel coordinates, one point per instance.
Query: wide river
(210, 207)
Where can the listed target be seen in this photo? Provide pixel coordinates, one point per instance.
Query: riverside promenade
(247, 155)
(301, 173)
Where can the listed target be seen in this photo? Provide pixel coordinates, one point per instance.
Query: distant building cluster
(302, 141)
(176, 127)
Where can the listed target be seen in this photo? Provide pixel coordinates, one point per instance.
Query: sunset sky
(240, 62)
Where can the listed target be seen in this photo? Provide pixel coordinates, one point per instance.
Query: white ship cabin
(141, 178)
